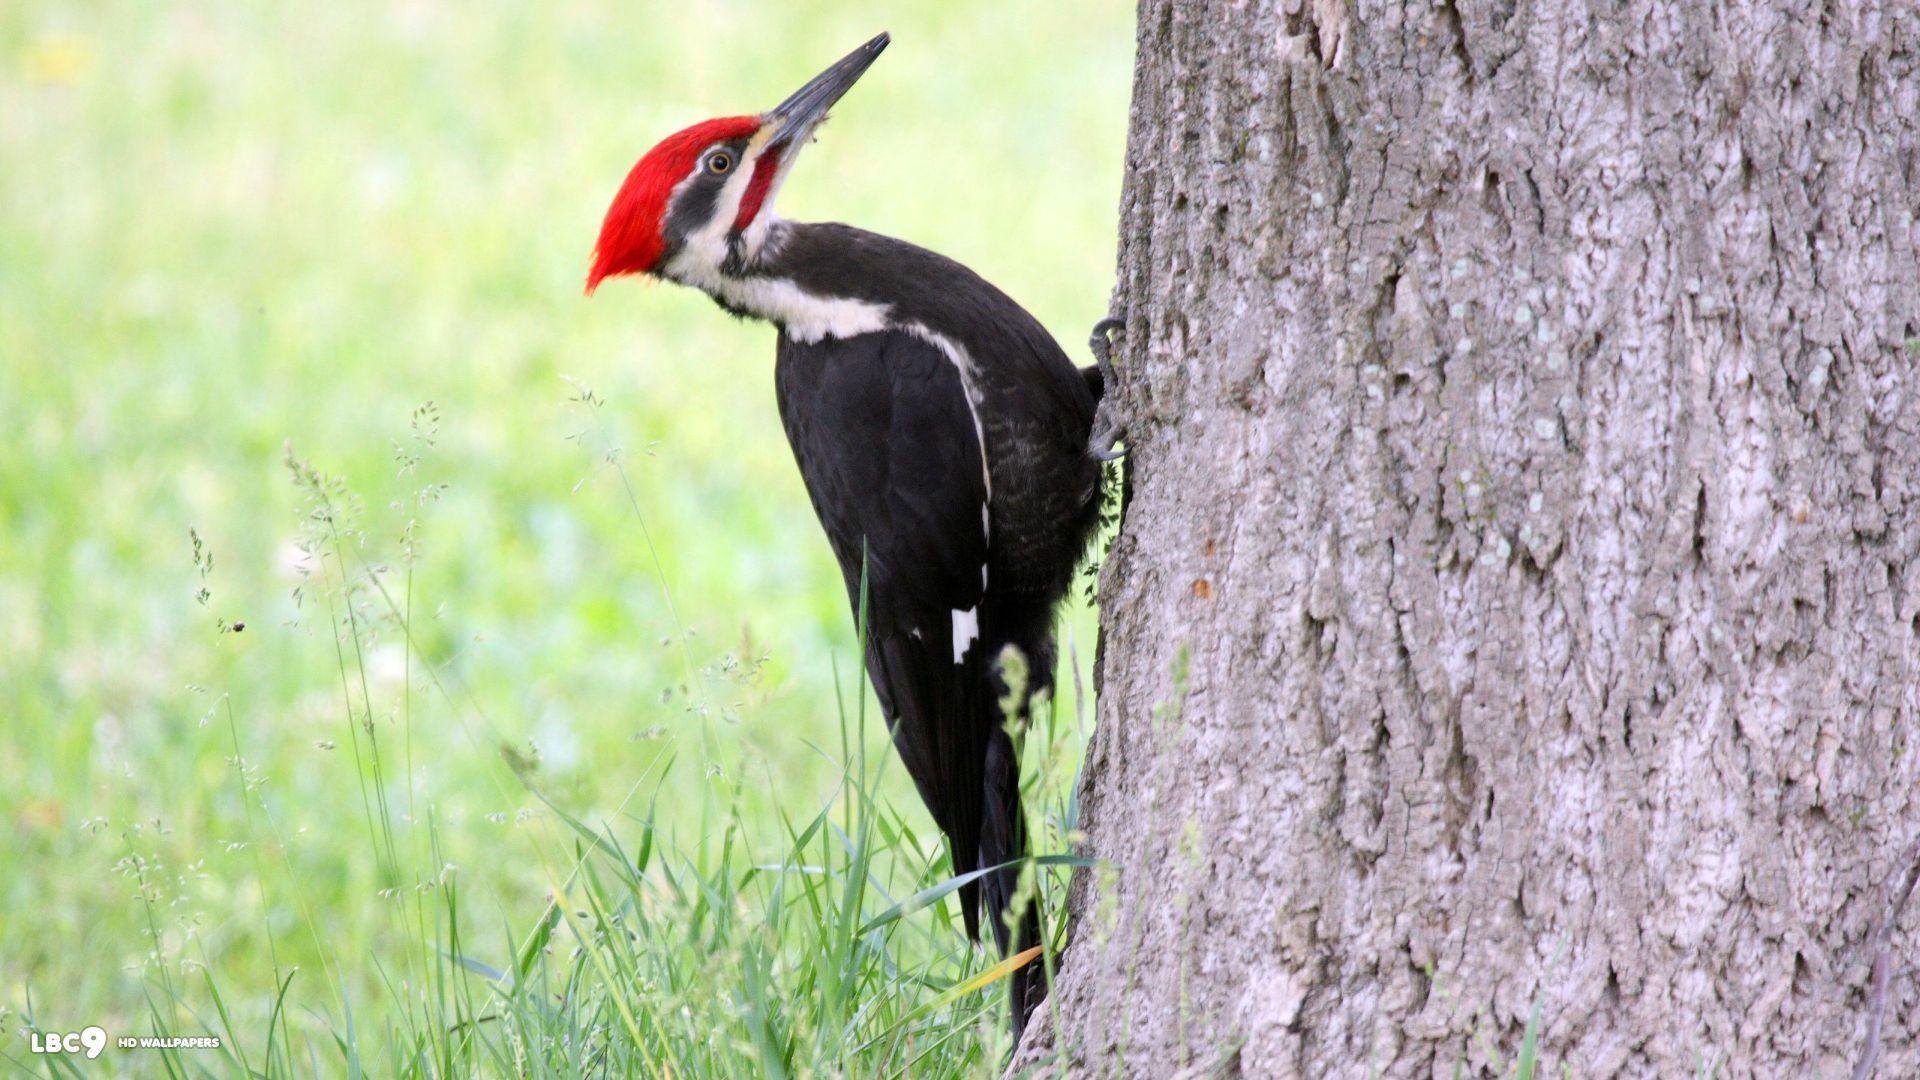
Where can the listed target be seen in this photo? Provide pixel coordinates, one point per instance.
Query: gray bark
(1518, 602)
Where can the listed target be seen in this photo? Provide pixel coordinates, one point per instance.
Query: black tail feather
(963, 753)
(926, 698)
(1003, 839)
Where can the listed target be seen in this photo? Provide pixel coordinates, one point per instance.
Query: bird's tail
(1003, 839)
(962, 749)
(1014, 677)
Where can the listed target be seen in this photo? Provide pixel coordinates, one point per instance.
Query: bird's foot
(1107, 427)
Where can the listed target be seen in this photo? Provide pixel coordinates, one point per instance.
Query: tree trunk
(1517, 607)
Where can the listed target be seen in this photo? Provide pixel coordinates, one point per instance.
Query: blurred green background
(233, 230)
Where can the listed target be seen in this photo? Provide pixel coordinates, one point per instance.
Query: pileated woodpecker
(948, 444)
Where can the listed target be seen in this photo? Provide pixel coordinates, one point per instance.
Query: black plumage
(951, 450)
(885, 437)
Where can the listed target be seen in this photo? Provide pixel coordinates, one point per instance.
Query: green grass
(543, 749)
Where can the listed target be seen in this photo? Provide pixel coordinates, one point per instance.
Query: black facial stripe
(736, 261)
(695, 203)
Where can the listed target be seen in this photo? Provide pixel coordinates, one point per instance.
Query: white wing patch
(963, 364)
(809, 318)
(986, 529)
(966, 624)
(966, 629)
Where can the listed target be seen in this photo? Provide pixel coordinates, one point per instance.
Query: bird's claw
(1105, 433)
(1107, 428)
(1100, 343)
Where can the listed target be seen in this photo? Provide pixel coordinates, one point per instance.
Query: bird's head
(701, 201)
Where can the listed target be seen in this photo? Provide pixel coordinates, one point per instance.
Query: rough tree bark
(1518, 601)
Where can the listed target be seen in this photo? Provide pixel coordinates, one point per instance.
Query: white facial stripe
(710, 243)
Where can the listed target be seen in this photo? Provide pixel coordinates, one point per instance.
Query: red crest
(630, 238)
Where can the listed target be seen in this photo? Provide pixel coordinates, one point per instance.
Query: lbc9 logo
(92, 1040)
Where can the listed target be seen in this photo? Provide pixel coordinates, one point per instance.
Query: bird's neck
(755, 284)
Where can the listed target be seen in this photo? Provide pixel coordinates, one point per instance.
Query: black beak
(795, 118)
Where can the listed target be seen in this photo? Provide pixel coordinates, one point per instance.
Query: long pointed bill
(794, 119)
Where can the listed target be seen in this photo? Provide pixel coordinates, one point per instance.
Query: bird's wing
(886, 441)
(885, 438)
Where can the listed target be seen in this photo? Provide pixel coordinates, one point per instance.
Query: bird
(952, 452)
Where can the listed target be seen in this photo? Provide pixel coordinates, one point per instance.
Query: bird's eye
(720, 164)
